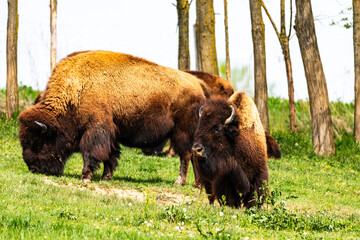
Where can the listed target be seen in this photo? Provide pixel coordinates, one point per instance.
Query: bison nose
(198, 150)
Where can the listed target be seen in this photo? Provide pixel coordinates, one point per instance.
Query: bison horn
(200, 110)
(232, 116)
(42, 126)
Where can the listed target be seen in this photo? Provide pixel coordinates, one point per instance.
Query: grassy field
(311, 197)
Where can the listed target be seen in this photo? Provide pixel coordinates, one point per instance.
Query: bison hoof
(107, 177)
(180, 181)
(85, 180)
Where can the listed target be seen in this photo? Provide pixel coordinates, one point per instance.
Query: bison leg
(209, 191)
(90, 166)
(111, 164)
(184, 167)
(96, 146)
(183, 147)
(171, 152)
(226, 193)
(249, 199)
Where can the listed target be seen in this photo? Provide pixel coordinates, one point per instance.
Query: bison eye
(218, 129)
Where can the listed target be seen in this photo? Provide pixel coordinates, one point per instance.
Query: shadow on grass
(140, 180)
(97, 178)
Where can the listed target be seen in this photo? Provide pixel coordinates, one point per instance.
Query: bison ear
(232, 131)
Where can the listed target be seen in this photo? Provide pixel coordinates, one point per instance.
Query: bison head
(43, 145)
(215, 137)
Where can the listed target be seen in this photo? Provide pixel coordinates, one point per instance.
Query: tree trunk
(205, 33)
(284, 41)
(53, 15)
(12, 90)
(258, 36)
(288, 65)
(183, 7)
(228, 76)
(356, 38)
(322, 129)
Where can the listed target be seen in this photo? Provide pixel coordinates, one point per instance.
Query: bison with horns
(95, 100)
(212, 85)
(230, 149)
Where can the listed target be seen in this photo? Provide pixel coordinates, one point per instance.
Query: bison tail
(273, 148)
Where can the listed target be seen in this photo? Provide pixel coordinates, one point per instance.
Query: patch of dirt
(161, 196)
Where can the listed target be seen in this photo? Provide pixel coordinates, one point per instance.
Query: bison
(95, 100)
(212, 85)
(230, 149)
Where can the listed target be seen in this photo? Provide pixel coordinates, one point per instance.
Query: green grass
(311, 197)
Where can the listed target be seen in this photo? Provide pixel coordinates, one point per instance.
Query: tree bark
(53, 16)
(228, 75)
(356, 39)
(322, 129)
(258, 36)
(205, 33)
(12, 90)
(288, 65)
(183, 7)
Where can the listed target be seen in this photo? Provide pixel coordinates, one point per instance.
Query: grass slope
(311, 197)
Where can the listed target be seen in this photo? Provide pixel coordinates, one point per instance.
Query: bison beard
(95, 100)
(230, 150)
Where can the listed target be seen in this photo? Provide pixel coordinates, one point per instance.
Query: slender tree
(228, 76)
(284, 43)
(205, 37)
(322, 129)
(12, 90)
(356, 38)
(53, 15)
(258, 36)
(183, 7)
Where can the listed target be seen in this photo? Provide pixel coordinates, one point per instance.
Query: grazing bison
(212, 85)
(231, 151)
(95, 100)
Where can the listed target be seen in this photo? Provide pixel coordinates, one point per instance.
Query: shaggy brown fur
(231, 155)
(95, 100)
(217, 86)
(213, 86)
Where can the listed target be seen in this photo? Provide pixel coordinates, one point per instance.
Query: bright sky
(148, 29)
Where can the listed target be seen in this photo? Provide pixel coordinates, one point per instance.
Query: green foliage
(310, 197)
(27, 96)
(343, 19)
(241, 78)
(277, 217)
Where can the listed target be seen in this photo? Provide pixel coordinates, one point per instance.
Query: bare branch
(271, 20)
(290, 19)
